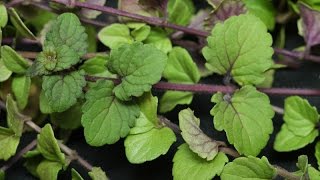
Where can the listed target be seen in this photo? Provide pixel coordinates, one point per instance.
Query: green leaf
(97, 66)
(139, 66)
(49, 170)
(317, 153)
(300, 117)
(197, 140)
(188, 165)
(10, 141)
(69, 119)
(5, 73)
(15, 119)
(3, 16)
(13, 61)
(140, 31)
(97, 174)
(92, 38)
(75, 175)
(248, 168)
(115, 35)
(45, 107)
(287, 141)
(180, 69)
(19, 24)
(146, 142)
(67, 30)
(158, 37)
(2, 175)
(148, 106)
(105, 118)
(171, 99)
(48, 145)
(63, 91)
(240, 46)
(264, 10)
(237, 115)
(314, 174)
(53, 59)
(180, 11)
(302, 164)
(33, 159)
(21, 87)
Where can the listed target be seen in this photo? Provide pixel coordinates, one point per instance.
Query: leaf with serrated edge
(48, 170)
(67, 30)
(115, 35)
(10, 141)
(240, 46)
(197, 140)
(287, 141)
(139, 66)
(105, 118)
(246, 118)
(301, 118)
(20, 87)
(63, 91)
(48, 145)
(248, 168)
(189, 166)
(97, 174)
(75, 175)
(19, 24)
(15, 119)
(13, 61)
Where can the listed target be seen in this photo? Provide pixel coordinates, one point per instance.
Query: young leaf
(20, 87)
(180, 69)
(92, 14)
(240, 46)
(19, 24)
(13, 61)
(248, 168)
(158, 37)
(300, 117)
(317, 153)
(5, 73)
(180, 11)
(140, 31)
(238, 116)
(188, 165)
(310, 25)
(302, 164)
(67, 30)
(264, 10)
(306, 171)
(69, 119)
(97, 66)
(139, 66)
(97, 174)
(48, 170)
(105, 118)
(63, 91)
(115, 35)
(3, 16)
(286, 140)
(48, 146)
(75, 175)
(197, 140)
(10, 141)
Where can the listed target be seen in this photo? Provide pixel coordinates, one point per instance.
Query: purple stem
(297, 55)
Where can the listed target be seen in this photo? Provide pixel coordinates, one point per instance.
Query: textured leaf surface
(139, 66)
(105, 118)
(48, 170)
(188, 165)
(240, 46)
(20, 87)
(197, 140)
(246, 118)
(97, 174)
(63, 91)
(248, 168)
(180, 11)
(67, 30)
(15, 119)
(10, 141)
(13, 61)
(287, 141)
(19, 24)
(300, 117)
(48, 145)
(3, 16)
(115, 35)
(5, 73)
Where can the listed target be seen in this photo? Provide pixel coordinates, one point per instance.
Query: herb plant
(110, 88)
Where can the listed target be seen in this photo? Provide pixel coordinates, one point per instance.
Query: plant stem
(297, 55)
(285, 174)
(278, 110)
(229, 151)
(18, 155)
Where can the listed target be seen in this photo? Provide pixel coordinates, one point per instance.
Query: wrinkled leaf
(5, 73)
(15, 119)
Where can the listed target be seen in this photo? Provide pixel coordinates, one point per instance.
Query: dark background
(112, 159)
